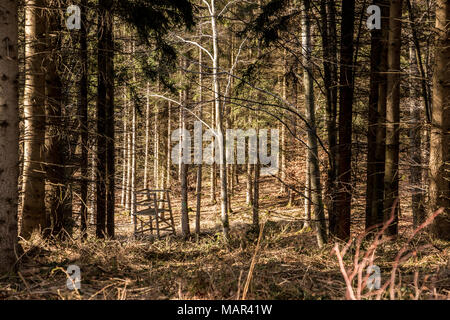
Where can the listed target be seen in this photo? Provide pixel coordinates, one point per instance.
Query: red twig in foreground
(369, 255)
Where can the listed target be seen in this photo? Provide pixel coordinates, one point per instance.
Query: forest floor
(287, 265)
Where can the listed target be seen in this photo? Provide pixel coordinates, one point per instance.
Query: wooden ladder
(151, 203)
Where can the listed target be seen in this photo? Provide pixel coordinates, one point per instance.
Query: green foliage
(153, 19)
(271, 21)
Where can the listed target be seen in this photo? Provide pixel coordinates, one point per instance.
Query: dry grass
(288, 265)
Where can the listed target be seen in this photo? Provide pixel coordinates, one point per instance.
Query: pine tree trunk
(9, 136)
(327, 12)
(333, 132)
(83, 118)
(101, 142)
(133, 161)
(307, 195)
(440, 130)
(180, 125)
(228, 121)
(123, 200)
(416, 47)
(147, 135)
(110, 127)
(313, 155)
(133, 145)
(391, 174)
(169, 125)
(185, 231)
(33, 210)
(57, 191)
(344, 195)
(129, 158)
(93, 184)
(249, 193)
(156, 146)
(105, 123)
(376, 119)
(255, 204)
(415, 141)
(199, 165)
(283, 186)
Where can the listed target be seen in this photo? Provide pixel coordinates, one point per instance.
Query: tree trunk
(133, 144)
(123, 200)
(415, 143)
(219, 126)
(376, 120)
(93, 175)
(110, 125)
(180, 125)
(156, 145)
(33, 210)
(307, 202)
(129, 157)
(184, 166)
(249, 193)
(391, 174)
(214, 164)
(9, 136)
(83, 119)
(440, 130)
(424, 85)
(332, 139)
(199, 165)
(105, 123)
(133, 161)
(169, 124)
(58, 194)
(313, 155)
(327, 11)
(147, 135)
(344, 195)
(255, 205)
(283, 186)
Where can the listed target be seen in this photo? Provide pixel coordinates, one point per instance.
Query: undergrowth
(288, 265)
